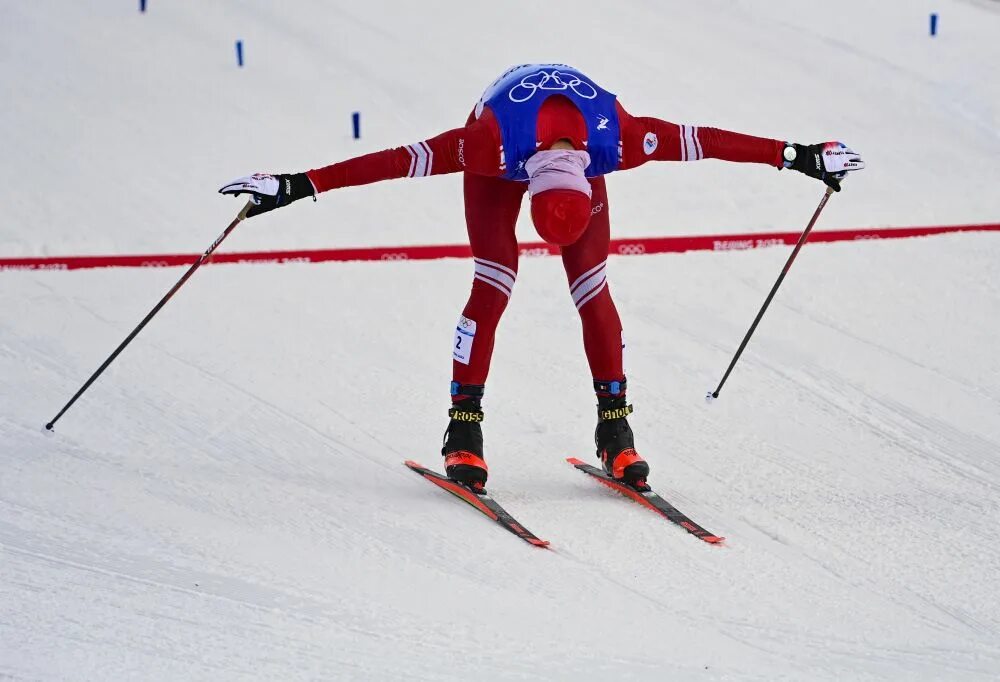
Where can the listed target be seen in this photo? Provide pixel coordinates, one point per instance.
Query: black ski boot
(615, 443)
(463, 444)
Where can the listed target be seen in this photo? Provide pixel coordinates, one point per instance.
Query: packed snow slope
(228, 501)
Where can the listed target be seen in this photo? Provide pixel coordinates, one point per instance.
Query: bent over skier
(551, 131)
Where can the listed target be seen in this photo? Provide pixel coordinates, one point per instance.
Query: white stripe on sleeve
(418, 164)
(413, 161)
(690, 148)
(430, 157)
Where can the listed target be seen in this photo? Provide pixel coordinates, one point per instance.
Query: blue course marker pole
(142, 5)
(933, 25)
(356, 122)
(239, 53)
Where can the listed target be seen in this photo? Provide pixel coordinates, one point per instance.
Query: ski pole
(712, 395)
(204, 257)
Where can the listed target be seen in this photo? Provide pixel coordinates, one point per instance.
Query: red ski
(650, 499)
(480, 501)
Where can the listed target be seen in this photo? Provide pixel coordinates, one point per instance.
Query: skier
(551, 131)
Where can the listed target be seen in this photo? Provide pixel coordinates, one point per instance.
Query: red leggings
(491, 208)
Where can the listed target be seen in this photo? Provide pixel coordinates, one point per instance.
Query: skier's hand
(826, 161)
(268, 192)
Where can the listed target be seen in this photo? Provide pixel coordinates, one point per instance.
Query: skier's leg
(491, 208)
(585, 261)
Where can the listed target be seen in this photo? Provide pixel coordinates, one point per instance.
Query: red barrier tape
(625, 247)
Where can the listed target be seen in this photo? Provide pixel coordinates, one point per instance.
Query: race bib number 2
(465, 334)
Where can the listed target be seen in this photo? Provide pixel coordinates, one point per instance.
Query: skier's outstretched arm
(466, 148)
(650, 139)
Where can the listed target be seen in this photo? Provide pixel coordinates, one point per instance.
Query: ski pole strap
(610, 387)
(470, 390)
(460, 415)
(616, 413)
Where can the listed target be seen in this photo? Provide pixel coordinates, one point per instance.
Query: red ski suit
(492, 205)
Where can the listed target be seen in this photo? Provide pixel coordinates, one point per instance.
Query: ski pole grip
(243, 213)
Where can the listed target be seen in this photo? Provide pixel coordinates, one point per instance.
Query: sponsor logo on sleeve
(649, 143)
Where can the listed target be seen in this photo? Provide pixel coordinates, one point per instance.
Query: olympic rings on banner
(634, 249)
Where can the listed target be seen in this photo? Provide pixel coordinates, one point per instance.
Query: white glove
(269, 192)
(826, 161)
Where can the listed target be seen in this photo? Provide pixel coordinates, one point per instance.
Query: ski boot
(615, 443)
(463, 445)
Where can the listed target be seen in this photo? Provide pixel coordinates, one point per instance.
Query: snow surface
(228, 501)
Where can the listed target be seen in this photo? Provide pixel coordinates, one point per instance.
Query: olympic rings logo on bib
(550, 80)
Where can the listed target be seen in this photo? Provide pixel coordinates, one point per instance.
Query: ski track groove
(975, 388)
(900, 437)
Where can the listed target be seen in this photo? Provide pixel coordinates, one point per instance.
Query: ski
(480, 501)
(649, 499)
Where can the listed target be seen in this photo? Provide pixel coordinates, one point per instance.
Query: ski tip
(574, 461)
(413, 465)
(538, 543)
(713, 539)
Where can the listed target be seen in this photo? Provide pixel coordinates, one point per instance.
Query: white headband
(558, 169)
